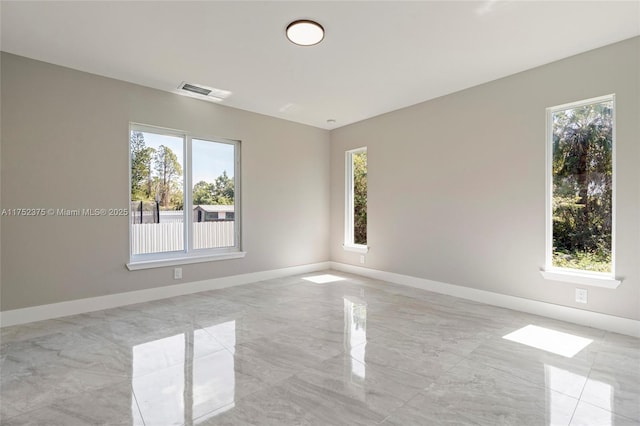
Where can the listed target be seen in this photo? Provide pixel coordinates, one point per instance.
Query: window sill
(159, 263)
(593, 280)
(357, 248)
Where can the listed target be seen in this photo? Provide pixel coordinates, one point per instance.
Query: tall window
(356, 200)
(184, 195)
(581, 200)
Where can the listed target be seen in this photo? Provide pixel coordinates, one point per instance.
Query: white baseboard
(577, 316)
(80, 306)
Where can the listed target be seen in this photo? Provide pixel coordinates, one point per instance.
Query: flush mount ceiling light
(304, 32)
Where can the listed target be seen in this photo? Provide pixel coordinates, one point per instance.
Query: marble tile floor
(290, 351)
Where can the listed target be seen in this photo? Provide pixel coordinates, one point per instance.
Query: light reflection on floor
(355, 336)
(355, 351)
(192, 386)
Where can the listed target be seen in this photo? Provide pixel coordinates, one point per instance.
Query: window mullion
(187, 197)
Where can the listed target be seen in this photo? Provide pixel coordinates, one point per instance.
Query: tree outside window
(582, 199)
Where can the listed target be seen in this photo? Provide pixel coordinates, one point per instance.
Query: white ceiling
(376, 56)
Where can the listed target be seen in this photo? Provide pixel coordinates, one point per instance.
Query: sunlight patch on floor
(323, 279)
(553, 341)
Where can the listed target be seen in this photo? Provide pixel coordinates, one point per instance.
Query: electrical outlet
(362, 258)
(581, 295)
(177, 273)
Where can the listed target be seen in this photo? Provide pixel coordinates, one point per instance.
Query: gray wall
(457, 184)
(65, 145)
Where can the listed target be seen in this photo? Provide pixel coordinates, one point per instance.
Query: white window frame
(576, 276)
(349, 244)
(189, 254)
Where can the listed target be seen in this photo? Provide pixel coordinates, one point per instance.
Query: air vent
(201, 91)
(195, 89)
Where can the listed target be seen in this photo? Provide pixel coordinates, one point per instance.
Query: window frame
(188, 254)
(349, 225)
(577, 276)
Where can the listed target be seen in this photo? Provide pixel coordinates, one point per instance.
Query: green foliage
(203, 193)
(224, 192)
(360, 197)
(220, 192)
(141, 156)
(156, 175)
(584, 261)
(169, 172)
(582, 187)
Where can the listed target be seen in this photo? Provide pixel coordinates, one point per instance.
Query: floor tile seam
(597, 406)
(444, 346)
(385, 419)
(436, 384)
(394, 368)
(573, 413)
(263, 386)
(135, 398)
(403, 333)
(196, 421)
(244, 342)
(510, 373)
(12, 341)
(210, 334)
(405, 404)
(40, 340)
(84, 369)
(108, 374)
(455, 365)
(51, 407)
(57, 403)
(341, 399)
(578, 399)
(600, 354)
(19, 412)
(519, 378)
(588, 376)
(176, 364)
(79, 348)
(62, 409)
(608, 411)
(248, 358)
(317, 334)
(583, 364)
(288, 345)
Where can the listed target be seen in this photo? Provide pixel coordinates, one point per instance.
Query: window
(179, 188)
(581, 188)
(355, 237)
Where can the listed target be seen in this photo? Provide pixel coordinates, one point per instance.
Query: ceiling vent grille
(196, 89)
(201, 91)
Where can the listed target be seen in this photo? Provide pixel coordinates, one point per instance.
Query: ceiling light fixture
(304, 32)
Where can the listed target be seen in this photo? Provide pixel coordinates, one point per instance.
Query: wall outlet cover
(581, 295)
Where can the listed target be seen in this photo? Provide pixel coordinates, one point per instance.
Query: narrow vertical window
(356, 200)
(581, 224)
(184, 196)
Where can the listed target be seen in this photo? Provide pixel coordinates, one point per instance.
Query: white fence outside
(160, 237)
